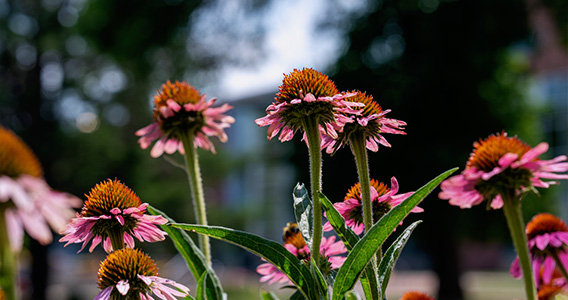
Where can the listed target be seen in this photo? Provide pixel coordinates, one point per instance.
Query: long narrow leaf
(367, 246)
(272, 251)
(200, 291)
(369, 280)
(391, 256)
(304, 213)
(370, 283)
(194, 258)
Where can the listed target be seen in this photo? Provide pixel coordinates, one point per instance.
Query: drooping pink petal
(122, 287)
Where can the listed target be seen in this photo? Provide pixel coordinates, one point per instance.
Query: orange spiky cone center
(107, 195)
(371, 106)
(180, 92)
(544, 223)
(486, 153)
(126, 264)
(16, 158)
(299, 83)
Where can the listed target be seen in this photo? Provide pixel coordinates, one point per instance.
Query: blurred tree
(76, 79)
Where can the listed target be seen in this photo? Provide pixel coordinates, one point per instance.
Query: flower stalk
(359, 150)
(116, 240)
(311, 127)
(196, 186)
(513, 214)
(7, 262)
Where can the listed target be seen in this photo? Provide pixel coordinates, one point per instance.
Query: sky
(304, 47)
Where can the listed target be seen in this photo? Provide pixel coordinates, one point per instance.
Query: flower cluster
(179, 109)
(383, 200)
(307, 95)
(330, 259)
(113, 214)
(26, 200)
(502, 165)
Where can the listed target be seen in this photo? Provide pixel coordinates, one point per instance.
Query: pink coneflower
(330, 258)
(113, 211)
(179, 108)
(131, 274)
(26, 201)
(501, 165)
(368, 124)
(306, 94)
(413, 295)
(548, 245)
(383, 200)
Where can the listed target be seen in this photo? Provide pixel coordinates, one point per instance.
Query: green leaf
(369, 281)
(391, 256)
(194, 258)
(304, 213)
(271, 251)
(200, 291)
(268, 295)
(367, 246)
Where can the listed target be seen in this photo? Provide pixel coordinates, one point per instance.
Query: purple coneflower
(502, 165)
(179, 108)
(306, 94)
(383, 200)
(368, 124)
(26, 200)
(131, 274)
(113, 214)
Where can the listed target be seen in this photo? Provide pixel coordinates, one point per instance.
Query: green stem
(196, 186)
(117, 240)
(513, 214)
(8, 274)
(359, 149)
(311, 127)
(559, 264)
